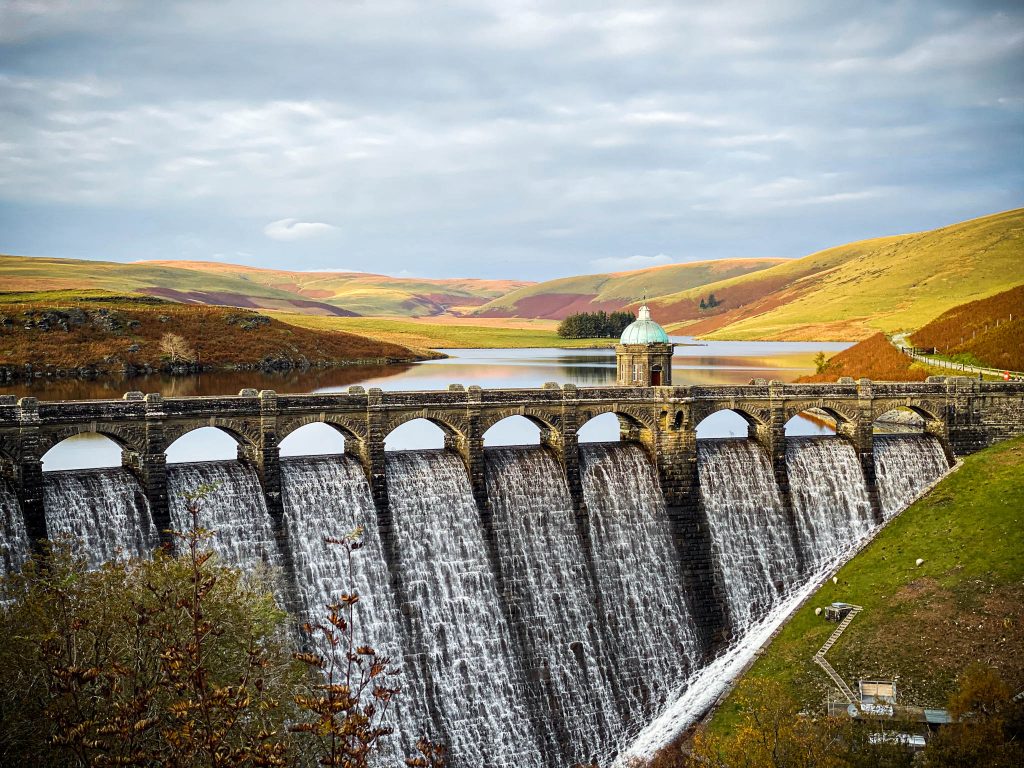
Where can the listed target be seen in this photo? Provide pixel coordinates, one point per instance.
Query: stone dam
(546, 601)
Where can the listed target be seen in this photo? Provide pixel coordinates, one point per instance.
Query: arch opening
(812, 421)
(416, 434)
(203, 444)
(88, 450)
(512, 430)
(900, 421)
(724, 423)
(603, 428)
(316, 439)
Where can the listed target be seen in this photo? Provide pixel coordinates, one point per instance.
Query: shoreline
(15, 374)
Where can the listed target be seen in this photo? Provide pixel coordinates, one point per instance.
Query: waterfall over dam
(104, 509)
(534, 625)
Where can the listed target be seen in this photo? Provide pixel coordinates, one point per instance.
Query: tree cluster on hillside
(185, 662)
(710, 302)
(595, 325)
(773, 733)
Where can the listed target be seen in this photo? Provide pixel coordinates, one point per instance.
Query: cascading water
(830, 497)
(460, 634)
(530, 637)
(104, 509)
(13, 537)
(548, 585)
(750, 536)
(904, 466)
(235, 510)
(329, 496)
(639, 574)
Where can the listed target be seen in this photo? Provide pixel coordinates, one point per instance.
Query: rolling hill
(556, 299)
(846, 293)
(855, 290)
(341, 294)
(362, 293)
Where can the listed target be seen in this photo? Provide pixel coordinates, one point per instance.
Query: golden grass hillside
(556, 299)
(339, 294)
(362, 293)
(853, 291)
(37, 273)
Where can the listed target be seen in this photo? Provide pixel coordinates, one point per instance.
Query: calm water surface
(705, 363)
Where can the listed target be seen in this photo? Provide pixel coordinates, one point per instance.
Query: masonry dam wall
(546, 601)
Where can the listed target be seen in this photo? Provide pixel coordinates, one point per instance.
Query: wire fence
(963, 367)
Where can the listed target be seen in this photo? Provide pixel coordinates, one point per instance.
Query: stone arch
(246, 436)
(60, 450)
(540, 427)
(547, 423)
(126, 437)
(926, 409)
(350, 429)
(842, 413)
(635, 424)
(755, 417)
(638, 418)
(453, 428)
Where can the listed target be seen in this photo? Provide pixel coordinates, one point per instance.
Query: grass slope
(988, 332)
(28, 274)
(556, 299)
(855, 290)
(921, 625)
(104, 332)
(364, 293)
(330, 293)
(423, 334)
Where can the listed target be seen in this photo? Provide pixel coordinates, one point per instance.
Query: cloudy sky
(500, 138)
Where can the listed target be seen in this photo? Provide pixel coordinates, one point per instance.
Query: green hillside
(852, 291)
(921, 624)
(556, 299)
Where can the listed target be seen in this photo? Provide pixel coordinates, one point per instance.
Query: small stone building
(644, 354)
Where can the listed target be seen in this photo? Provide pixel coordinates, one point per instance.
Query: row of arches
(95, 450)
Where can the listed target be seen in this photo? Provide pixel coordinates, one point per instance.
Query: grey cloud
(505, 138)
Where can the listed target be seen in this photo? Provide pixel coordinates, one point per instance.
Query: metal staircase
(819, 657)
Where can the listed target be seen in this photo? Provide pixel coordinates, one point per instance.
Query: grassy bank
(451, 334)
(920, 625)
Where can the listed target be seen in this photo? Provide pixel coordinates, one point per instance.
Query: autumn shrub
(988, 728)
(184, 662)
(173, 661)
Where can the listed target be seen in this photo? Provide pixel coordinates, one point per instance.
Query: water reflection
(699, 363)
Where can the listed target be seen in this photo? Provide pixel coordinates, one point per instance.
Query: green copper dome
(643, 330)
